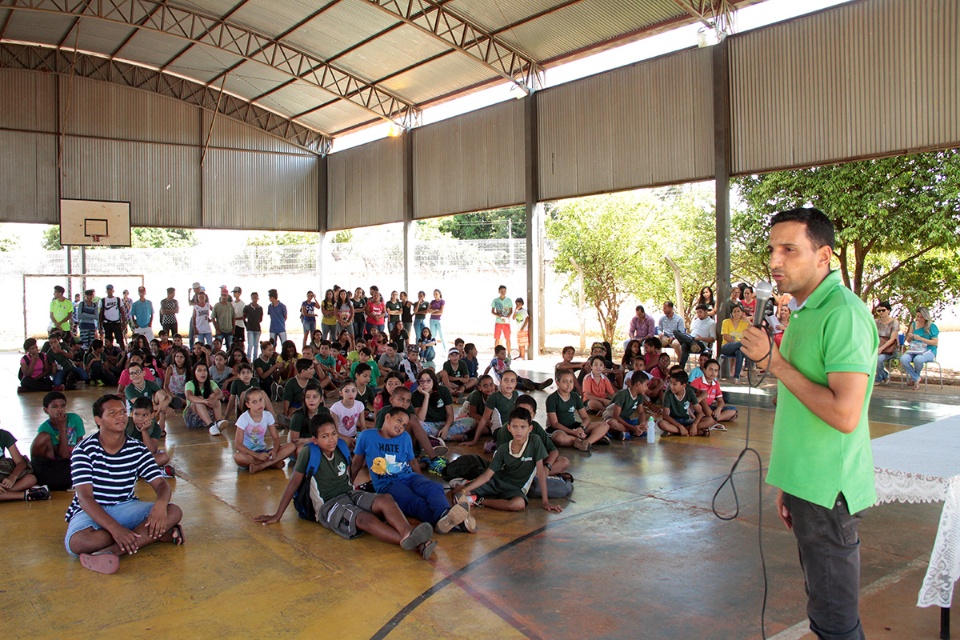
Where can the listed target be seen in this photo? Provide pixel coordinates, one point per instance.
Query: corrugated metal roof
(355, 44)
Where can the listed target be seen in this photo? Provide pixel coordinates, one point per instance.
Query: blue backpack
(306, 499)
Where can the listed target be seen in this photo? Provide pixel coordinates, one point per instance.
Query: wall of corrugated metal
(161, 181)
(28, 166)
(865, 79)
(27, 101)
(256, 190)
(104, 110)
(647, 124)
(28, 157)
(232, 134)
(365, 185)
(470, 163)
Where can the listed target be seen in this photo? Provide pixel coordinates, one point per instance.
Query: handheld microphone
(764, 293)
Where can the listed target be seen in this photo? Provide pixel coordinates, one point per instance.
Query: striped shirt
(113, 476)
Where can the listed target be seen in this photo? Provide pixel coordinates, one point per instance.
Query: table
(922, 464)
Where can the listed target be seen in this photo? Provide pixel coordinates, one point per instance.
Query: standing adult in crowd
(252, 317)
(112, 318)
(169, 308)
(278, 318)
(61, 311)
(223, 319)
(437, 306)
(238, 323)
(308, 317)
(192, 301)
(142, 313)
(88, 319)
(821, 460)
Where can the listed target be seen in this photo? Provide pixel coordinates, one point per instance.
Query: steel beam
(213, 31)
(15, 56)
(722, 163)
(437, 20)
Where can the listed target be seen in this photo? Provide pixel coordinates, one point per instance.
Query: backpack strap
(314, 463)
(344, 449)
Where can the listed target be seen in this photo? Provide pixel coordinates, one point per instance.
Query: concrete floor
(638, 554)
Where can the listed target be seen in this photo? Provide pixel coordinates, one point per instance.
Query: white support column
(534, 216)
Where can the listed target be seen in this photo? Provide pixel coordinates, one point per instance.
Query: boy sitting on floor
(625, 415)
(142, 427)
(554, 462)
(711, 397)
(681, 411)
(17, 481)
(347, 512)
(105, 519)
(56, 438)
(567, 421)
(497, 407)
(505, 483)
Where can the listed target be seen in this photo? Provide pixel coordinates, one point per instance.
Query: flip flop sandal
(426, 550)
(419, 535)
(718, 427)
(177, 534)
(104, 562)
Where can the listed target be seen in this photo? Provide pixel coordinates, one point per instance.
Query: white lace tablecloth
(922, 464)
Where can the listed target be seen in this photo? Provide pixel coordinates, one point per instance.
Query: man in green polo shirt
(821, 459)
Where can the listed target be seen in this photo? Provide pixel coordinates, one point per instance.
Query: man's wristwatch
(548, 466)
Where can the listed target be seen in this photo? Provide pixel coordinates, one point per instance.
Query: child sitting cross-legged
(597, 389)
(348, 413)
(17, 481)
(497, 407)
(555, 463)
(567, 421)
(505, 483)
(682, 414)
(625, 415)
(388, 454)
(347, 512)
(142, 426)
(711, 397)
(253, 425)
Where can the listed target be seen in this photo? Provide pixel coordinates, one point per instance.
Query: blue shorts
(128, 514)
(684, 421)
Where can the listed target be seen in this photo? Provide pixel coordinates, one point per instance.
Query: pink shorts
(501, 330)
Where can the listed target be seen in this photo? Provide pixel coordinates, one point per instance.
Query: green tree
(897, 223)
(620, 244)
(282, 238)
(482, 225)
(8, 241)
(140, 238)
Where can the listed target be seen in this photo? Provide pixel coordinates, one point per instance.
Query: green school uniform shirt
(461, 371)
(517, 471)
(332, 475)
(299, 422)
(237, 387)
(568, 411)
(627, 403)
(831, 332)
(132, 393)
(680, 408)
(75, 431)
(293, 392)
(437, 408)
(504, 436)
(502, 404)
(6, 441)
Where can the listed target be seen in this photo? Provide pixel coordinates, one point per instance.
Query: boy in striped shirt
(105, 519)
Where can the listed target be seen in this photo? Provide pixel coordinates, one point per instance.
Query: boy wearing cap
(455, 375)
(169, 308)
(112, 317)
(142, 314)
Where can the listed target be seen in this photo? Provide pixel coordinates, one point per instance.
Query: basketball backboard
(94, 223)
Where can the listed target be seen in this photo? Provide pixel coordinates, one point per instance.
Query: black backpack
(468, 467)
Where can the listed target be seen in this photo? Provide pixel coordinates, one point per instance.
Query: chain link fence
(467, 272)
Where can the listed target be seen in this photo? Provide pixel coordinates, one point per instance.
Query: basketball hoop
(96, 239)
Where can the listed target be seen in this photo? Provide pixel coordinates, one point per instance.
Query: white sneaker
(213, 430)
(223, 424)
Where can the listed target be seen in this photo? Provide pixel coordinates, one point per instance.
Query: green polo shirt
(832, 332)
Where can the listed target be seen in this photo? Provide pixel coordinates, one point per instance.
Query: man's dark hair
(303, 364)
(361, 367)
(819, 227)
(710, 362)
(679, 376)
(640, 308)
(701, 307)
(668, 304)
(102, 400)
(96, 344)
(365, 351)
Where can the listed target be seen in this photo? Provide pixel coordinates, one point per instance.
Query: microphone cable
(729, 479)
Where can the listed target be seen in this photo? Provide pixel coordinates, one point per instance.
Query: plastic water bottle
(651, 431)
